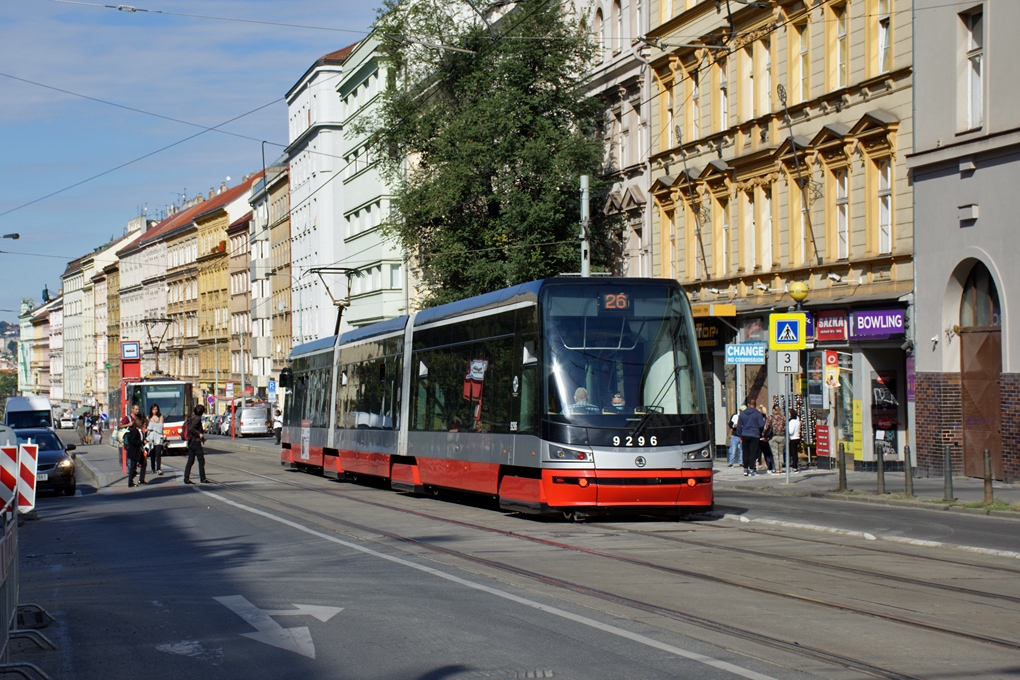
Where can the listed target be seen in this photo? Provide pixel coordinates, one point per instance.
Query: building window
(974, 25)
(884, 37)
(695, 104)
(804, 37)
(842, 48)
(617, 26)
(765, 79)
(724, 96)
(884, 207)
(766, 228)
(670, 142)
(842, 216)
(750, 237)
(746, 85)
(724, 249)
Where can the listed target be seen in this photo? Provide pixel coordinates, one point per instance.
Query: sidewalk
(929, 492)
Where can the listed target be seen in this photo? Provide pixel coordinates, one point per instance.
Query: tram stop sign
(788, 331)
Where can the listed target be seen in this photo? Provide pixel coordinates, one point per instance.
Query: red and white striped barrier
(18, 474)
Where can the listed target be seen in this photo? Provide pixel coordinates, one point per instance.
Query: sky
(76, 166)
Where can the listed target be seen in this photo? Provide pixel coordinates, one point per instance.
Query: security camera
(934, 342)
(835, 277)
(761, 286)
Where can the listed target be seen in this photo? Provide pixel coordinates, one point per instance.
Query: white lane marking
(871, 537)
(583, 620)
(321, 612)
(297, 640)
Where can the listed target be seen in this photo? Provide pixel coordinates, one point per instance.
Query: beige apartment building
(778, 137)
(239, 250)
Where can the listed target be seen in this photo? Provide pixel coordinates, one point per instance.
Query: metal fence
(10, 610)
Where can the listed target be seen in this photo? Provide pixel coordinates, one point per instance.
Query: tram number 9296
(635, 441)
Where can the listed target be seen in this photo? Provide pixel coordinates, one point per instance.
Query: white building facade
(314, 155)
(379, 289)
(73, 335)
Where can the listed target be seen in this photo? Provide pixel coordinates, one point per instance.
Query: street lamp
(12, 236)
(799, 292)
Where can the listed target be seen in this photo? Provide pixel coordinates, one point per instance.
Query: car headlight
(66, 463)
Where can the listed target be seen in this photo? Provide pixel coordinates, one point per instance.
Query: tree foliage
(485, 149)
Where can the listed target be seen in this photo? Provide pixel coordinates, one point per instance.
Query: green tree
(484, 131)
(8, 384)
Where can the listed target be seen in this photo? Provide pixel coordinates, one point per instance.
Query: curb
(99, 479)
(919, 504)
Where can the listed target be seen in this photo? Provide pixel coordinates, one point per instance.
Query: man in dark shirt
(750, 424)
(196, 435)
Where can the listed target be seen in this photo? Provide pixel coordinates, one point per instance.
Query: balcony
(261, 308)
(262, 347)
(258, 269)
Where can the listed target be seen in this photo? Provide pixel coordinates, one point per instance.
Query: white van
(30, 411)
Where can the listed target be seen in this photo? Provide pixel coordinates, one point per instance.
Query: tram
(565, 395)
(175, 400)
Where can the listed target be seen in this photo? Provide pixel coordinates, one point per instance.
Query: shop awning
(82, 410)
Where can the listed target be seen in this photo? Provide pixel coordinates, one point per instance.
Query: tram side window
(300, 398)
(530, 383)
(372, 390)
(464, 387)
(317, 410)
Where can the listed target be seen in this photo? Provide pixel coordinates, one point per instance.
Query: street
(268, 572)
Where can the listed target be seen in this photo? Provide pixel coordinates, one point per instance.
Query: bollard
(841, 464)
(908, 472)
(988, 478)
(947, 471)
(881, 472)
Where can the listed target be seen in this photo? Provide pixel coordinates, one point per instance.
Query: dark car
(56, 462)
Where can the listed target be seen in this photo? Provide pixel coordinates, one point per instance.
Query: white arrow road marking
(320, 612)
(297, 640)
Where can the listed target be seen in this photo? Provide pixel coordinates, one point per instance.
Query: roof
(240, 222)
(217, 202)
(73, 267)
(332, 59)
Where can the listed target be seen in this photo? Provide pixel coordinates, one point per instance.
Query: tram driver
(581, 404)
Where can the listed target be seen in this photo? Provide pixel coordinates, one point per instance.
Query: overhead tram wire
(136, 160)
(132, 9)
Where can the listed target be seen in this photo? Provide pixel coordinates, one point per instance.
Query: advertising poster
(884, 414)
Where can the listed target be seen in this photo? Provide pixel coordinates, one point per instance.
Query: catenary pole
(585, 245)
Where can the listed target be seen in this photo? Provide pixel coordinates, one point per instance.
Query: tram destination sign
(746, 353)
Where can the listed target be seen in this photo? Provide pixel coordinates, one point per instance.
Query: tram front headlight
(703, 454)
(565, 454)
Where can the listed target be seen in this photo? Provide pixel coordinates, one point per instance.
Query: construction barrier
(18, 469)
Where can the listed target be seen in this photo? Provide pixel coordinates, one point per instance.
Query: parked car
(66, 422)
(56, 462)
(254, 420)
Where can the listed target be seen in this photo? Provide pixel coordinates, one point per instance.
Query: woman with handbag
(154, 439)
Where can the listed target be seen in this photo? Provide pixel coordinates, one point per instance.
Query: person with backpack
(195, 436)
(749, 428)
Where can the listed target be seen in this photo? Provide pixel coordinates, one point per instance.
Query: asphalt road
(268, 573)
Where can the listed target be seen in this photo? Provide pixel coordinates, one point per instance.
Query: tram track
(602, 595)
(689, 617)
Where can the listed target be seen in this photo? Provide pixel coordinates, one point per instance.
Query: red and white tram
(565, 395)
(175, 400)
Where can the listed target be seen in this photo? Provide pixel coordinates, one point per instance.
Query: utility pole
(149, 323)
(216, 354)
(585, 246)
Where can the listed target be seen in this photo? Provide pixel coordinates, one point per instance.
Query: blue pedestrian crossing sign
(788, 331)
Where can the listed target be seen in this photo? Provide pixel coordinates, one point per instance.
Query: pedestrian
(764, 450)
(278, 425)
(734, 455)
(133, 442)
(777, 425)
(793, 432)
(79, 429)
(750, 424)
(195, 437)
(154, 438)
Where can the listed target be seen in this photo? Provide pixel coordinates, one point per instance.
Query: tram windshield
(170, 397)
(618, 352)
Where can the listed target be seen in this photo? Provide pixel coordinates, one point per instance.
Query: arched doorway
(980, 368)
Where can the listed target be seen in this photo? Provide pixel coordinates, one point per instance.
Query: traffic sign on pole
(788, 331)
(787, 361)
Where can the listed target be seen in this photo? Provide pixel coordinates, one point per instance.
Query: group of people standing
(758, 436)
(145, 440)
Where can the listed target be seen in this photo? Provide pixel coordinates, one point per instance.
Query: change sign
(745, 353)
